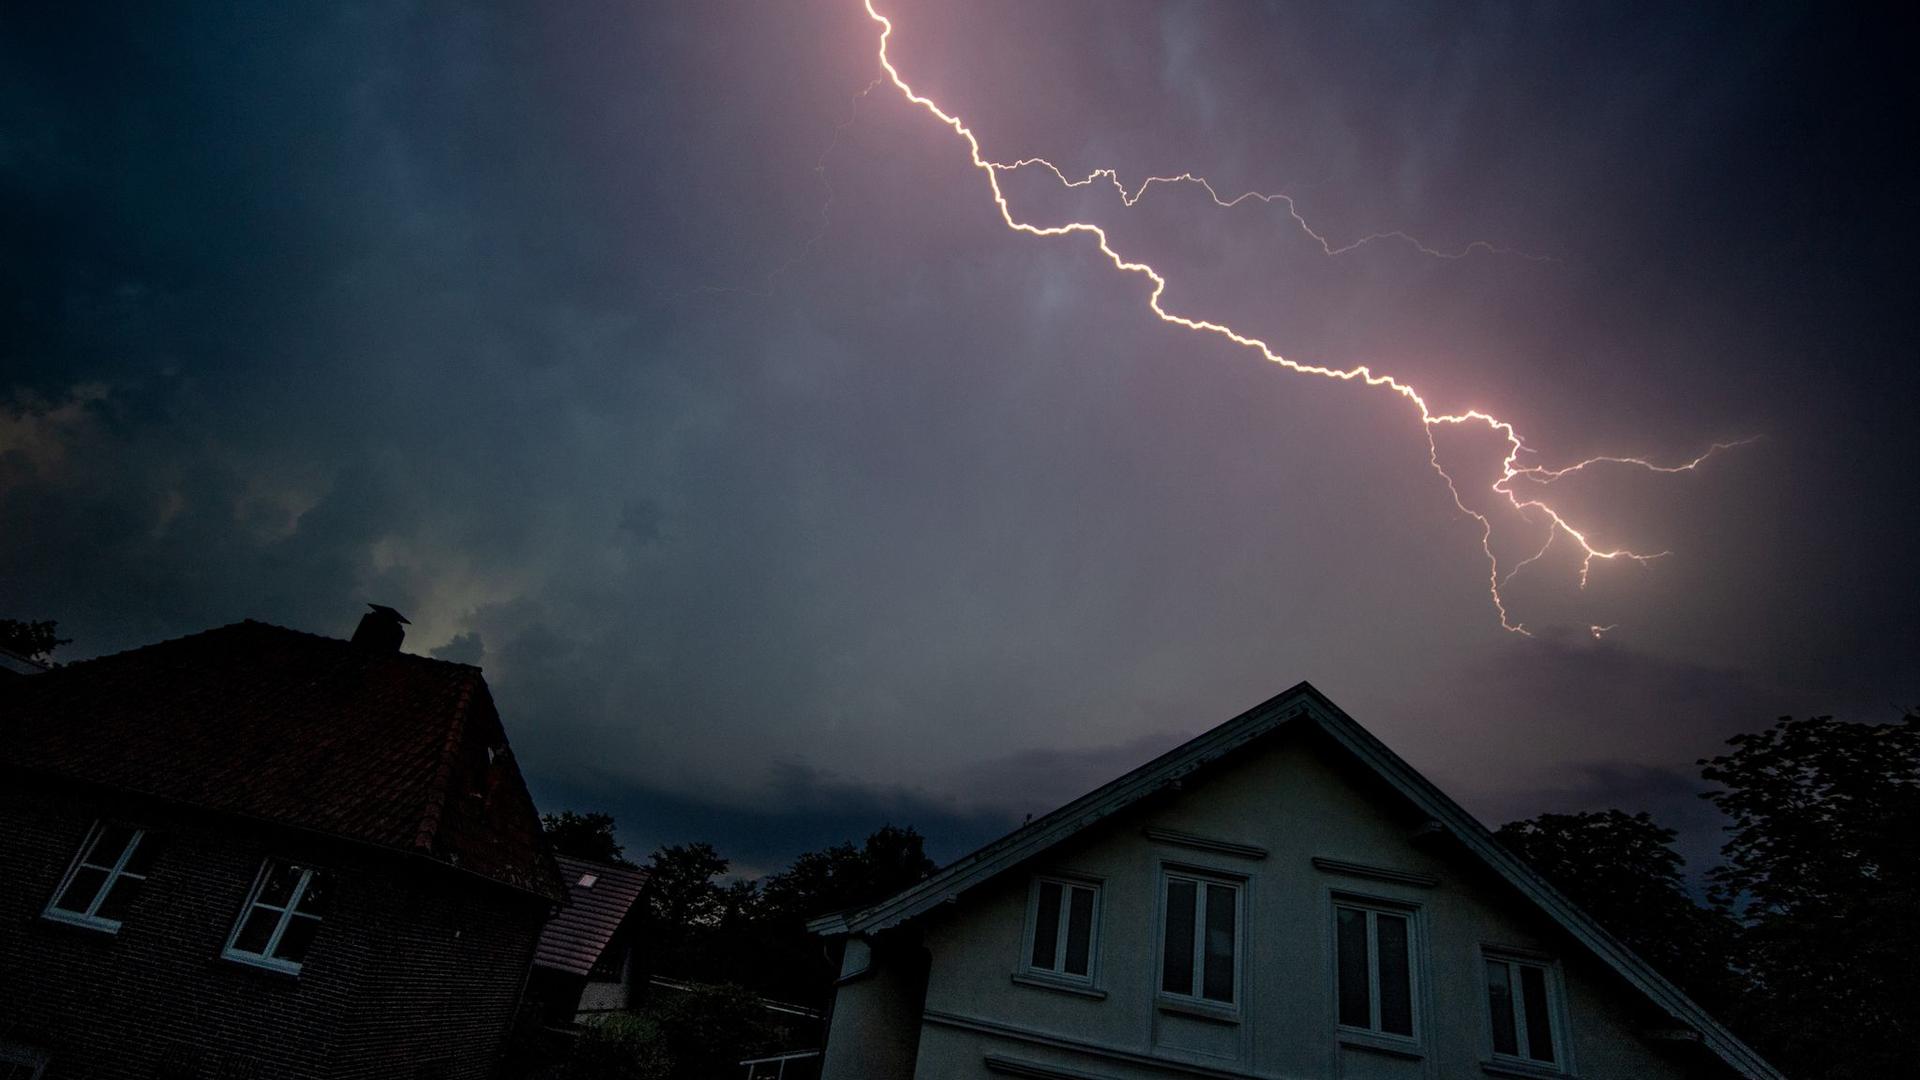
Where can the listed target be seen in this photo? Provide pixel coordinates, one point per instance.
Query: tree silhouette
(587, 836)
(31, 639)
(1824, 865)
(1622, 870)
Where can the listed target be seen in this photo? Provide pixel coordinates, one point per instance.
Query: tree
(587, 836)
(692, 917)
(844, 876)
(683, 887)
(819, 882)
(33, 640)
(1824, 865)
(1622, 870)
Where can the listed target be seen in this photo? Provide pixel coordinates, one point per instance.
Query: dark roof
(576, 936)
(386, 748)
(12, 663)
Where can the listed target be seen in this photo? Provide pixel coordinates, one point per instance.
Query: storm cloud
(637, 355)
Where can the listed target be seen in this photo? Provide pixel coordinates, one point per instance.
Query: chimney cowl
(381, 629)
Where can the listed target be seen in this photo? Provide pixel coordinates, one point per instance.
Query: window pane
(278, 888)
(296, 938)
(1221, 901)
(1079, 931)
(1396, 974)
(114, 906)
(1500, 1005)
(1176, 959)
(1350, 932)
(1046, 925)
(257, 931)
(141, 860)
(319, 890)
(1533, 993)
(108, 845)
(82, 889)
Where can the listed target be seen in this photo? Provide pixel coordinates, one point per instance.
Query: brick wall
(416, 970)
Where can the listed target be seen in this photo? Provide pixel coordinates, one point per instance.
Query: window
(20, 1063)
(281, 917)
(1522, 1003)
(1200, 939)
(1374, 969)
(98, 888)
(1062, 922)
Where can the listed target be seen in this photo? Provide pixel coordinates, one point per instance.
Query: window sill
(1058, 986)
(58, 917)
(261, 966)
(1391, 1045)
(1194, 1010)
(1529, 1070)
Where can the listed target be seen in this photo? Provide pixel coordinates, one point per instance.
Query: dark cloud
(801, 810)
(525, 322)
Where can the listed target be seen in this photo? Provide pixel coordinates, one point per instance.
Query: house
(585, 962)
(255, 852)
(1282, 896)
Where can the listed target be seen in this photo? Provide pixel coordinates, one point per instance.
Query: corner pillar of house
(873, 1031)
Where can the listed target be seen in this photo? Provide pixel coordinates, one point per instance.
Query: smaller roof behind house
(599, 898)
(308, 732)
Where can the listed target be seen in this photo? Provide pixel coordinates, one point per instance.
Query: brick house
(255, 852)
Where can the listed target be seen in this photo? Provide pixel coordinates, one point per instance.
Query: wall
(439, 960)
(1293, 796)
(873, 1031)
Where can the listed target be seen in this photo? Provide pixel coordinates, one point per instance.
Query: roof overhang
(1301, 703)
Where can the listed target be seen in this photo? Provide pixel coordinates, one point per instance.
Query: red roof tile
(576, 936)
(384, 747)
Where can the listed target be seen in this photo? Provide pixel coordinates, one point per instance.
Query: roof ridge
(443, 772)
(1307, 701)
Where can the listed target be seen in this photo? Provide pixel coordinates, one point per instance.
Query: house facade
(1280, 897)
(255, 852)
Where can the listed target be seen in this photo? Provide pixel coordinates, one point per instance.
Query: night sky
(638, 356)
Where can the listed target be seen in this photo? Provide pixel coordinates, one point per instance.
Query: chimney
(380, 629)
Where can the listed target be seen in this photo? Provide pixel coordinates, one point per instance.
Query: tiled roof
(575, 937)
(383, 747)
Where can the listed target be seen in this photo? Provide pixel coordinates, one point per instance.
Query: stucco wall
(1292, 797)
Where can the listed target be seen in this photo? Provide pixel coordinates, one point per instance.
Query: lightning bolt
(1529, 507)
(1128, 198)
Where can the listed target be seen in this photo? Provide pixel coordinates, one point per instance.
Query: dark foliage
(1622, 870)
(708, 930)
(1824, 863)
(821, 882)
(584, 836)
(31, 639)
(843, 876)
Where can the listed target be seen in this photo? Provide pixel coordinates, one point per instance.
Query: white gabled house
(1281, 896)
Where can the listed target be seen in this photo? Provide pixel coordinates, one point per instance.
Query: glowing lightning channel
(1128, 198)
(1510, 469)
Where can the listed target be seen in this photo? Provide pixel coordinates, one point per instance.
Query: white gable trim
(1302, 701)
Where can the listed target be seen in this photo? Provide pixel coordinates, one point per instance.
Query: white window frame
(265, 957)
(1059, 970)
(118, 870)
(1416, 935)
(1207, 879)
(34, 1060)
(1557, 1019)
